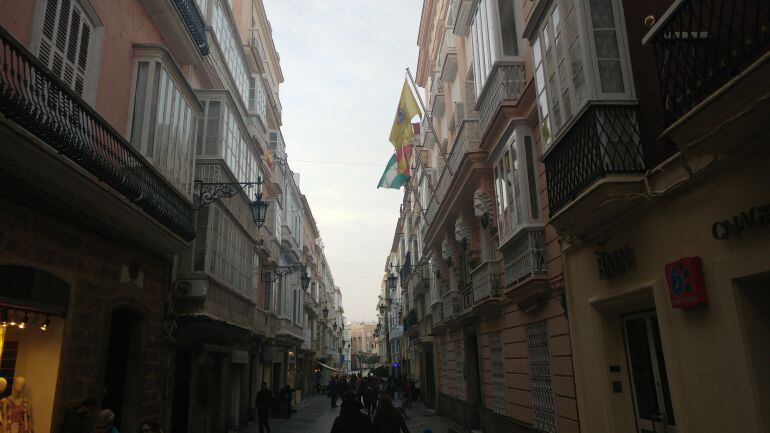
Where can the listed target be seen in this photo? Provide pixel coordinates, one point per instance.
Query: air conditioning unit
(190, 288)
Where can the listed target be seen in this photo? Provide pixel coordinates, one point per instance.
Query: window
(493, 36)
(560, 59)
(66, 42)
(543, 408)
(514, 176)
(230, 44)
(499, 397)
(257, 98)
(231, 255)
(163, 122)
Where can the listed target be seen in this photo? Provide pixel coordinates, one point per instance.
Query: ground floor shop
(671, 316)
(82, 316)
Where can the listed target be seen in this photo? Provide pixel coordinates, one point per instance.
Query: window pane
(140, 91)
(510, 40)
(153, 109)
(212, 128)
(611, 76)
(531, 178)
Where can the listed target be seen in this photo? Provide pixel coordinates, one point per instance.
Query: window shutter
(64, 42)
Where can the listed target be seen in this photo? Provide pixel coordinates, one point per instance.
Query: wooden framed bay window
(515, 181)
(494, 37)
(164, 112)
(580, 54)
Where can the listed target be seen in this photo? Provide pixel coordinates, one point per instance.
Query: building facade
(137, 140)
(586, 221)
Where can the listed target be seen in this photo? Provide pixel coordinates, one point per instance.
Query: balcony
(33, 99)
(597, 161)
(182, 27)
(289, 330)
(410, 323)
(461, 16)
(525, 264)
(448, 57)
(467, 140)
(486, 284)
(712, 62)
(419, 280)
(206, 301)
(504, 88)
(437, 97)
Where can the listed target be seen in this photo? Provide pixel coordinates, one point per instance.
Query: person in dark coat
(264, 402)
(387, 419)
(77, 420)
(350, 419)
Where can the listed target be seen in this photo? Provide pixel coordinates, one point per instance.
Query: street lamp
(325, 312)
(280, 271)
(209, 192)
(304, 280)
(392, 281)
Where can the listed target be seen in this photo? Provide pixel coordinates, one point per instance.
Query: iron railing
(506, 83)
(603, 141)
(38, 101)
(525, 257)
(467, 140)
(410, 320)
(193, 20)
(702, 44)
(486, 283)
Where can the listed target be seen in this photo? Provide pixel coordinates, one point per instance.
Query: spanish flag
(402, 131)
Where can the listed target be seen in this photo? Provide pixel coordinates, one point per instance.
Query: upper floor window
(164, 117)
(515, 182)
(494, 37)
(576, 61)
(257, 98)
(67, 44)
(230, 44)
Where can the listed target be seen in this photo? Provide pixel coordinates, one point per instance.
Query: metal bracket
(210, 192)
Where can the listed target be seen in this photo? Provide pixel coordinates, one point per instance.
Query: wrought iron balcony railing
(38, 101)
(194, 22)
(486, 283)
(525, 257)
(467, 140)
(604, 140)
(505, 84)
(702, 44)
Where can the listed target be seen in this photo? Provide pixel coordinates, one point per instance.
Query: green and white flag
(391, 178)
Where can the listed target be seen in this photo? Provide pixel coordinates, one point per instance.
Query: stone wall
(96, 269)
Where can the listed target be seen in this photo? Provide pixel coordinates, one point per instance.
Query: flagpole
(430, 123)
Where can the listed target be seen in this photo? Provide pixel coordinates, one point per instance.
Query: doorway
(754, 297)
(235, 395)
(474, 378)
(647, 368)
(122, 372)
(181, 404)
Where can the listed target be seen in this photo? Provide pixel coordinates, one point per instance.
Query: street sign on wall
(685, 283)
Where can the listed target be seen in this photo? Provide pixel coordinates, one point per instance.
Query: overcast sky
(343, 63)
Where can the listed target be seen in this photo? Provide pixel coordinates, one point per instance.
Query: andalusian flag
(401, 133)
(391, 178)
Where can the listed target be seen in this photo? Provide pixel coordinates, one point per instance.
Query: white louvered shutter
(65, 41)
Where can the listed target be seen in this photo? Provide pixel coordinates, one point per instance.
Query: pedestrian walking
(264, 402)
(350, 419)
(285, 396)
(333, 391)
(387, 419)
(370, 397)
(105, 422)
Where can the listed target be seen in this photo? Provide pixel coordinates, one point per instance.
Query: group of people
(87, 418)
(385, 401)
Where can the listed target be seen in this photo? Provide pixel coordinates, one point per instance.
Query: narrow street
(314, 415)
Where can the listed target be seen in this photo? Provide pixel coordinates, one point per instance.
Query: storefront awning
(328, 366)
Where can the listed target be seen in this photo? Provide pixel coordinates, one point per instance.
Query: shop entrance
(652, 399)
(754, 296)
(122, 380)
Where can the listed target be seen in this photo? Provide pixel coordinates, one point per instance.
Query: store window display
(16, 410)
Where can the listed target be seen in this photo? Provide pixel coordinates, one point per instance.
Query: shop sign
(616, 262)
(752, 219)
(239, 356)
(685, 283)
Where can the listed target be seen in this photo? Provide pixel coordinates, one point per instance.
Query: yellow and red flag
(402, 130)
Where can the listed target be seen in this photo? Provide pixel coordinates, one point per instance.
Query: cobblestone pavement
(315, 415)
